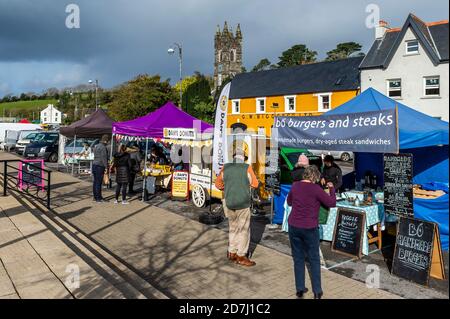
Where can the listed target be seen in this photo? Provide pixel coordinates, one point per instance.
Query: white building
(51, 115)
(410, 64)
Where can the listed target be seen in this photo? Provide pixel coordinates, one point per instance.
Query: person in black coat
(331, 173)
(122, 165)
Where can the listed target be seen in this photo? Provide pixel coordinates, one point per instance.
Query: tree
(343, 50)
(198, 91)
(297, 55)
(262, 65)
(140, 96)
(204, 110)
(187, 81)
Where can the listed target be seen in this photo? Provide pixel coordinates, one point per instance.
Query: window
(289, 104)
(261, 105)
(233, 56)
(394, 88)
(236, 106)
(431, 86)
(324, 102)
(261, 130)
(45, 119)
(45, 113)
(412, 47)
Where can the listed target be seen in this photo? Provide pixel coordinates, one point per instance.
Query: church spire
(225, 27)
(238, 31)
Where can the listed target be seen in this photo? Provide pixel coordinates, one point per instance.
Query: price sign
(180, 184)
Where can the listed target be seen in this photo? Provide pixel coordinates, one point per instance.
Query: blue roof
(416, 129)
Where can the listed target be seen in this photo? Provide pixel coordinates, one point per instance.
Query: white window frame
(414, 52)
(425, 78)
(233, 111)
(258, 111)
(388, 88)
(320, 101)
(286, 104)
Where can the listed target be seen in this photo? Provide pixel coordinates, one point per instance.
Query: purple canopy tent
(152, 125)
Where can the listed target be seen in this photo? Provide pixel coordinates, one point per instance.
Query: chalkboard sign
(31, 173)
(398, 184)
(348, 232)
(414, 250)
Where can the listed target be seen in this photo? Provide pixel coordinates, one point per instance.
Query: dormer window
(412, 47)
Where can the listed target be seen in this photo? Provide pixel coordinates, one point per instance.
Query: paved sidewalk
(183, 258)
(36, 263)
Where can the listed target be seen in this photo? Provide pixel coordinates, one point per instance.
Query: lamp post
(171, 51)
(96, 93)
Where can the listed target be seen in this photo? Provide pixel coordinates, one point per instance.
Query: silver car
(339, 155)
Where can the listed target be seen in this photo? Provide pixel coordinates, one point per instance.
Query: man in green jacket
(236, 179)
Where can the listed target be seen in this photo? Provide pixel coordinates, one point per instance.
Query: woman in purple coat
(305, 198)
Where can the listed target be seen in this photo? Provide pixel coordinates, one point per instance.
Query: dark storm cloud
(119, 39)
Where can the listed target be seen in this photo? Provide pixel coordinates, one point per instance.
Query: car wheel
(345, 157)
(53, 158)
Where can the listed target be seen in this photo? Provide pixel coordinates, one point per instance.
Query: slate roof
(317, 77)
(433, 37)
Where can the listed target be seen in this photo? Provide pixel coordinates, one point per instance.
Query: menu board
(414, 250)
(180, 184)
(398, 184)
(348, 232)
(31, 173)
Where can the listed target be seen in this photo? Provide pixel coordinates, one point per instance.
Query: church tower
(228, 54)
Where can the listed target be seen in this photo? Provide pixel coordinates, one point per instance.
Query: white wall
(411, 69)
(51, 116)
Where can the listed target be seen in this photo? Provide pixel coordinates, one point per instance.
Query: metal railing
(14, 178)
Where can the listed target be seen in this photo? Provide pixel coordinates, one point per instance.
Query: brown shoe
(231, 256)
(244, 261)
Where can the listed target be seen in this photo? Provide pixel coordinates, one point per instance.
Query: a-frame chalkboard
(417, 253)
(348, 232)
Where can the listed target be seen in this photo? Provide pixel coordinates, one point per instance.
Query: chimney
(381, 29)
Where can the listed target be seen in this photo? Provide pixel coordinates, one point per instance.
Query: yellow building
(304, 90)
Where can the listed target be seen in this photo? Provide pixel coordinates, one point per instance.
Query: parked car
(45, 146)
(12, 137)
(340, 155)
(24, 141)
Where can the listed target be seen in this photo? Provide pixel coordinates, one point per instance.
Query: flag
(220, 130)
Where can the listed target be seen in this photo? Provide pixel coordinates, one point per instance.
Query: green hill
(25, 105)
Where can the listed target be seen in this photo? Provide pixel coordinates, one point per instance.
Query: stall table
(162, 174)
(374, 217)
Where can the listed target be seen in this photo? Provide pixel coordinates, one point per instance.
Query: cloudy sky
(119, 39)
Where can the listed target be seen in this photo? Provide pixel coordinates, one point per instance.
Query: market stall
(419, 136)
(93, 126)
(423, 136)
(155, 126)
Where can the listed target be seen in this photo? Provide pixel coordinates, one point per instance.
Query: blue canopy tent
(423, 136)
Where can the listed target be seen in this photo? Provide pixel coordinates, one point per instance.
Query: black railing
(36, 185)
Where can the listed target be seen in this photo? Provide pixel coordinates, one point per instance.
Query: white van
(24, 140)
(14, 127)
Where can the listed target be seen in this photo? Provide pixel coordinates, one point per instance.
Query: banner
(373, 132)
(220, 131)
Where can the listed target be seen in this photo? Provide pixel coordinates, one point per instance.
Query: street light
(171, 51)
(96, 95)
